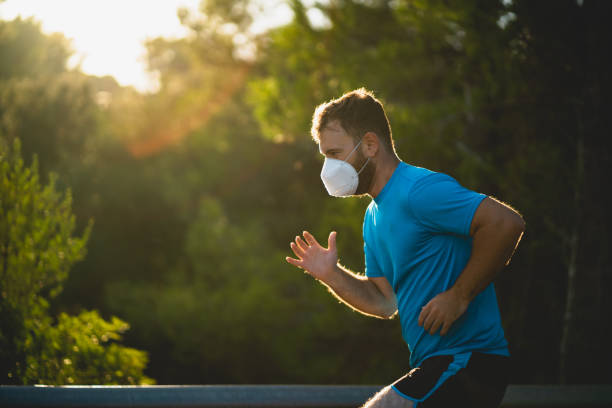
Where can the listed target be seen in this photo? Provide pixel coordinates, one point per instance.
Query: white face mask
(339, 177)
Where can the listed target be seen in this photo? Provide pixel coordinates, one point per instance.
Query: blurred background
(155, 163)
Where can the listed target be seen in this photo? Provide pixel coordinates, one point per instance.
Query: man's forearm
(492, 247)
(359, 293)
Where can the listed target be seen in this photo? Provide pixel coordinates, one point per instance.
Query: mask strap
(353, 151)
(363, 167)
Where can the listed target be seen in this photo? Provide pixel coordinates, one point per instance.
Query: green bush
(37, 250)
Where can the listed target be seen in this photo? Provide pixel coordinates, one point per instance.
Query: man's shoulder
(421, 188)
(410, 174)
(417, 173)
(420, 178)
(410, 177)
(398, 191)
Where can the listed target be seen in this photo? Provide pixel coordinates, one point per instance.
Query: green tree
(37, 249)
(50, 109)
(46, 55)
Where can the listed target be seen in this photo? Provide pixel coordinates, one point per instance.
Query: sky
(107, 35)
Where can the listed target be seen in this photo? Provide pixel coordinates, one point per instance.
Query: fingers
(441, 312)
(445, 329)
(423, 315)
(331, 241)
(435, 326)
(297, 249)
(293, 261)
(430, 324)
(300, 242)
(310, 239)
(429, 321)
(310, 252)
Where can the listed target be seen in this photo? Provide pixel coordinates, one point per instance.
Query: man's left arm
(496, 231)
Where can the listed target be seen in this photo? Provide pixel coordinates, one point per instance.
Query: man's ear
(371, 144)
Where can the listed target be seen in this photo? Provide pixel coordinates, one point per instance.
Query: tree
(37, 249)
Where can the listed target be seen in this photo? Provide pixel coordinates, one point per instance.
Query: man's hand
(312, 257)
(442, 311)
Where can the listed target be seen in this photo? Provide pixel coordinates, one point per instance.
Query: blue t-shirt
(416, 233)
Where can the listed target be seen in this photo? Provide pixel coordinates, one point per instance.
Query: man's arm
(496, 230)
(370, 296)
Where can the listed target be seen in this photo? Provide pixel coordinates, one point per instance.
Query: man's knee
(388, 398)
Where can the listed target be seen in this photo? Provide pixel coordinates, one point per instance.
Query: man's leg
(388, 398)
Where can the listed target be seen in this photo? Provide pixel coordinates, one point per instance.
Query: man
(432, 249)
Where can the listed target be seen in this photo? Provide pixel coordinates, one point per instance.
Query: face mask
(339, 177)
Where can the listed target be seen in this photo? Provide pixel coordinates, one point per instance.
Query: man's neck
(384, 171)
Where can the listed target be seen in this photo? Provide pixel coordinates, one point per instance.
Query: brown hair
(358, 112)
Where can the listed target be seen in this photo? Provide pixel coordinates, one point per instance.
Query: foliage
(81, 349)
(37, 250)
(37, 226)
(46, 56)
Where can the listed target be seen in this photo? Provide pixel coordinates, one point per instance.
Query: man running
(432, 249)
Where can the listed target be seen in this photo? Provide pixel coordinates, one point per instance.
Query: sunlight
(107, 35)
(171, 134)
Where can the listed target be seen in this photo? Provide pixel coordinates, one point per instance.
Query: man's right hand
(370, 296)
(316, 260)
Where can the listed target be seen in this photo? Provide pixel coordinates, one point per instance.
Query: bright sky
(108, 35)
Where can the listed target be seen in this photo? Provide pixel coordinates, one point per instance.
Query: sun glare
(107, 35)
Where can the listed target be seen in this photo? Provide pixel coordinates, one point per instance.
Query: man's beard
(366, 177)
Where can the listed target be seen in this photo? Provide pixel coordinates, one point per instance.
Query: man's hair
(358, 112)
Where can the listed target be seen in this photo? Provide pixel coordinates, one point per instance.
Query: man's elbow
(386, 314)
(385, 309)
(389, 311)
(391, 315)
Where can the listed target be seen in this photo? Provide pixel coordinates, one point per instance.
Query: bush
(37, 250)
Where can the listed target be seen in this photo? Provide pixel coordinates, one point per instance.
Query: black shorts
(471, 379)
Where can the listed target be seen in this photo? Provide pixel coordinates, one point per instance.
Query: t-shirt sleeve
(372, 268)
(442, 205)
